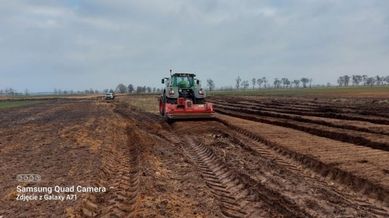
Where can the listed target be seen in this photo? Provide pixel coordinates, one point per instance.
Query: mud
(227, 167)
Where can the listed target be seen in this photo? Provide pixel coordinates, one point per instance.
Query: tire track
(235, 199)
(358, 184)
(120, 166)
(336, 135)
(276, 167)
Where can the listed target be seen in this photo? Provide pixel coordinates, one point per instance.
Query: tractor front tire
(161, 106)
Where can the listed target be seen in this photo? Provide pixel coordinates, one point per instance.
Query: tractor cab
(183, 85)
(183, 81)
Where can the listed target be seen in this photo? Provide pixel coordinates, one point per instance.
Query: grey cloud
(76, 44)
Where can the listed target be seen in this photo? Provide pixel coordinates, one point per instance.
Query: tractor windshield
(183, 81)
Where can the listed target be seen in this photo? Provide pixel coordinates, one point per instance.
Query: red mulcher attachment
(185, 109)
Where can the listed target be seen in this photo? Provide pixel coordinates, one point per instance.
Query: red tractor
(183, 98)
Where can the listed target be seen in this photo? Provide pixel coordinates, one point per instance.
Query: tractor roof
(184, 74)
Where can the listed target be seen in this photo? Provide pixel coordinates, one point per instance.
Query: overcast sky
(69, 44)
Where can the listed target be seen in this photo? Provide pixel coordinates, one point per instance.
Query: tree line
(13, 92)
(263, 82)
(364, 80)
(8, 92)
(131, 89)
(304, 82)
(121, 88)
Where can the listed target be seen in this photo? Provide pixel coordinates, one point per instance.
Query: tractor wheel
(169, 120)
(161, 106)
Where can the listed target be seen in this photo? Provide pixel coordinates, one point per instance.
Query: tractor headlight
(171, 92)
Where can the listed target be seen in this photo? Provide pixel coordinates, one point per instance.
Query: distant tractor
(109, 96)
(183, 98)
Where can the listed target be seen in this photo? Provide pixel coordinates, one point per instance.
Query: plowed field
(260, 157)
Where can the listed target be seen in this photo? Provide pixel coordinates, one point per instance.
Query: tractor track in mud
(234, 197)
(326, 171)
(119, 171)
(236, 200)
(219, 180)
(314, 129)
(211, 167)
(276, 166)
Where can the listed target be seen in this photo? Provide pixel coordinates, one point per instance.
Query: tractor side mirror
(163, 81)
(197, 82)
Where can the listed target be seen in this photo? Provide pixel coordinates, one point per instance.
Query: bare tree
(356, 79)
(237, 84)
(259, 82)
(277, 83)
(285, 81)
(370, 81)
(304, 81)
(341, 81)
(387, 79)
(210, 84)
(121, 88)
(245, 84)
(296, 83)
(264, 81)
(130, 88)
(139, 89)
(253, 81)
(379, 80)
(346, 80)
(9, 92)
(364, 79)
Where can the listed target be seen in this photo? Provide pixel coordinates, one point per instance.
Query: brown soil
(227, 167)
